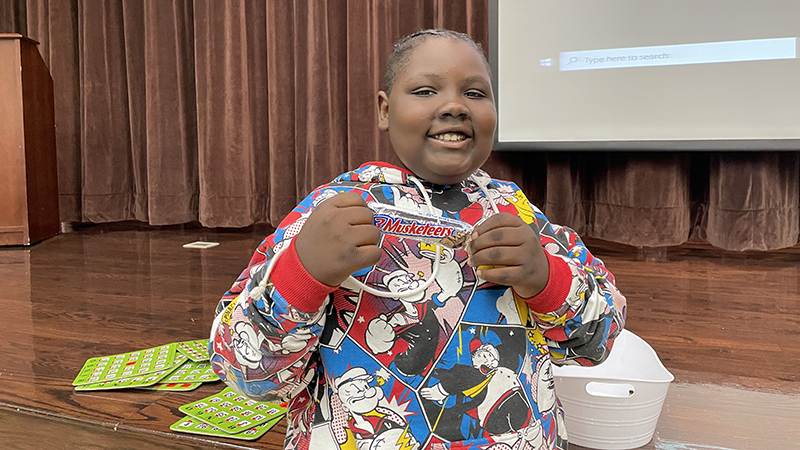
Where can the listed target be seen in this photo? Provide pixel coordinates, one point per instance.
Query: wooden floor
(727, 325)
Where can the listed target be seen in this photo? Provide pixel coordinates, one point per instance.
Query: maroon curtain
(13, 17)
(229, 112)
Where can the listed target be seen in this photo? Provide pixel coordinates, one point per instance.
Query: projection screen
(633, 74)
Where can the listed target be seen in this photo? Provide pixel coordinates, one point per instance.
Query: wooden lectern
(28, 177)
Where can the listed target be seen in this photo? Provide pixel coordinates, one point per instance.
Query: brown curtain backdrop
(229, 112)
(13, 17)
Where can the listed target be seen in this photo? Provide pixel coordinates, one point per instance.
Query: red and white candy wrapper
(420, 226)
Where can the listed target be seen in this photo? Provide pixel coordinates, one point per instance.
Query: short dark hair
(402, 49)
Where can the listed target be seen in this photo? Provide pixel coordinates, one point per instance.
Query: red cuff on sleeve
(555, 293)
(296, 285)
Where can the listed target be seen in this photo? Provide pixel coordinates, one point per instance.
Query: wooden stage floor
(726, 324)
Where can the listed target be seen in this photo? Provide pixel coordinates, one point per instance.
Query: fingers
(338, 238)
(498, 221)
(527, 280)
(369, 255)
(350, 208)
(506, 276)
(366, 239)
(365, 234)
(500, 230)
(346, 199)
(504, 250)
(499, 256)
(357, 215)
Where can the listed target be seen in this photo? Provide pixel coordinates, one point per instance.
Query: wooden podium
(28, 177)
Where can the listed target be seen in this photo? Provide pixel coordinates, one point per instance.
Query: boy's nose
(454, 108)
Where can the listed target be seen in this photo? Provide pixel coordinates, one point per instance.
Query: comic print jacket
(465, 364)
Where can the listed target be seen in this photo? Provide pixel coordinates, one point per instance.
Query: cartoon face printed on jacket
(402, 281)
(324, 195)
(440, 113)
(369, 174)
(357, 396)
(546, 386)
(486, 358)
(247, 341)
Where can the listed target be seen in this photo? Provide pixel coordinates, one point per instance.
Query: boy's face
(441, 114)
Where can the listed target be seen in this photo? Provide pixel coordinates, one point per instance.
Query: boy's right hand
(338, 239)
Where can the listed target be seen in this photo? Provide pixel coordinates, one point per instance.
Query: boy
(382, 341)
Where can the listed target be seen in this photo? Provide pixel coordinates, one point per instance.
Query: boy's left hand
(514, 253)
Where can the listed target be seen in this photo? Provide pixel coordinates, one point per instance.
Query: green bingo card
(233, 413)
(126, 365)
(195, 350)
(140, 381)
(194, 426)
(192, 372)
(172, 387)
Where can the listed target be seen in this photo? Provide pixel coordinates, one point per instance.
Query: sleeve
(266, 330)
(580, 310)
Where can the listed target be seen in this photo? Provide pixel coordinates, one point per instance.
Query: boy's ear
(383, 111)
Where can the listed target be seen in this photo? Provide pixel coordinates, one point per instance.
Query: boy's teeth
(450, 137)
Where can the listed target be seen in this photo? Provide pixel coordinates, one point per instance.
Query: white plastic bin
(615, 405)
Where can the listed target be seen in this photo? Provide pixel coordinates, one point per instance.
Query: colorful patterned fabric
(465, 364)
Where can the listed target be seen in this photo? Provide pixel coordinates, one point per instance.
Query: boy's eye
(473, 93)
(423, 92)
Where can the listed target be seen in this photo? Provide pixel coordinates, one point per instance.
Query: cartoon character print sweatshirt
(461, 364)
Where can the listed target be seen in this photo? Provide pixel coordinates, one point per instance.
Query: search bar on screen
(674, 55)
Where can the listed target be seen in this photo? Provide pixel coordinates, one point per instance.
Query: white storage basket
(615, 405)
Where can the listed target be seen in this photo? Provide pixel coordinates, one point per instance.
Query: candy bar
(420, 226)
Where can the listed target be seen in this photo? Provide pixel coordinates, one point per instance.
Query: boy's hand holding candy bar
(338, 239)
(513, 252)
(504, 249)
(346, 230)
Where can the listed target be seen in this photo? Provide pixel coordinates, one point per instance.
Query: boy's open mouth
(451, 136)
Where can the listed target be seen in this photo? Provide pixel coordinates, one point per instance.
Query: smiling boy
(320, 299)
(440, 112)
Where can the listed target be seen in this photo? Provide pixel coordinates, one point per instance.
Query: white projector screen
(646, 74)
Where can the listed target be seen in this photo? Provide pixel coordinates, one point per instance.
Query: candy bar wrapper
(420, 226)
